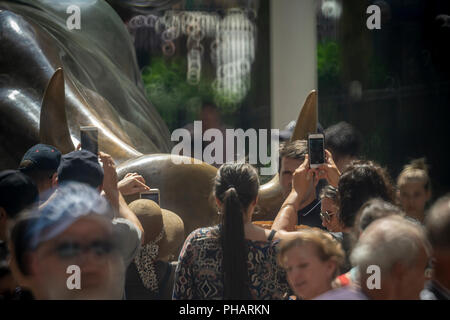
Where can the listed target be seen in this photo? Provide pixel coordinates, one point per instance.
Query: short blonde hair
(326, 246)
(415, 170)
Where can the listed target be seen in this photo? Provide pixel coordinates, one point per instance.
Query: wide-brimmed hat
(161, 226)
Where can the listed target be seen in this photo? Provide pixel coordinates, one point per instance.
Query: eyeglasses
(326, 216)
(69, 249)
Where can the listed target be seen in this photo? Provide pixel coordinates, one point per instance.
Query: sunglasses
(326, 216)
(69, 249)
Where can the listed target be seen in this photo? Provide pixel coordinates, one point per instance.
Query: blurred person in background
(414, 189)
(344, 143)
(391, 255)
(361, 181)
(17, 192)
(438, 229)
(370, 211)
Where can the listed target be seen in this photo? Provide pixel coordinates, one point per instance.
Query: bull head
(41, 103)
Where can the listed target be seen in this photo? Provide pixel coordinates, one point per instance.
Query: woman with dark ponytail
(236, 259)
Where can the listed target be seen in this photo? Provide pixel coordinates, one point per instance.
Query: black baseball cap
(42, 157)
(80, 166)
(17, 191)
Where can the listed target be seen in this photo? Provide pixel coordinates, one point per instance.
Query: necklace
(309, 211)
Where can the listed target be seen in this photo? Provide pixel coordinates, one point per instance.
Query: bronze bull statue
(100, 86)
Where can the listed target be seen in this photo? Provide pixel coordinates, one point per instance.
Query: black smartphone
(89, 139)
(153, 194)
(316, 150)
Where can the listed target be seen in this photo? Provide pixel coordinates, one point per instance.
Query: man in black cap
(17, 191)
(81, 166)
(40, 163)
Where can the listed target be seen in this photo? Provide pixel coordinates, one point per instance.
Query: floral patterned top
(199, 271)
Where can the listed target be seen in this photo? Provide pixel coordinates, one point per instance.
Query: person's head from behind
(372, 210)
(17, 192)
(41, 163)
(329, 209)
(81, 166)
(291, 156)
(414, 188)
(311, 259)
(361, 181)
(74, 228)
(344, 143)
(438, 230)
(392, 256)
(236, 190)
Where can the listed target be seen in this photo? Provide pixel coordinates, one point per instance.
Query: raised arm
(287, 218)
(112, 193)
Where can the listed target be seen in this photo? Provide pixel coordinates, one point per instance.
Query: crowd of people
(67, 232)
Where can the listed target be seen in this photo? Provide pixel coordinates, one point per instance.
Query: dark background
(404, 73)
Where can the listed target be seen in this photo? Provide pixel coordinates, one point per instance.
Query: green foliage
(378, 73)
(177, 101)
(329, 66)
(167, 88)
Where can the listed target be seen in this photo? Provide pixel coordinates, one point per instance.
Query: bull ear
(307, 119)
(53, 127)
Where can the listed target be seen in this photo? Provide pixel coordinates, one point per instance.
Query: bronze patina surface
(103, 86)
(54, 80)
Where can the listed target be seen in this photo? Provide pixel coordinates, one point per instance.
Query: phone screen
(152, 195)
(316, 153)
(89, 139)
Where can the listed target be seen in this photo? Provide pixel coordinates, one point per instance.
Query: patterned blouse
(199, 271)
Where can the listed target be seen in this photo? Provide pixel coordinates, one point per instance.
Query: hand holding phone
(316, 150)
(301, 180)
(89, 138)
(329, 170)
(153, 195)
(132, 183)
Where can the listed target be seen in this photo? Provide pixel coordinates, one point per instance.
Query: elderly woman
(311, 259)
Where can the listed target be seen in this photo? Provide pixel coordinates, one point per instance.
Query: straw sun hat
(164, 236)
(161, 226)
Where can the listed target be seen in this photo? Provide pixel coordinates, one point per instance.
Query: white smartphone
(153, 195)
(316, 150)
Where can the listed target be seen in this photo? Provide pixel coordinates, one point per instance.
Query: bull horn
(270, 194)
(53, 127)
(270, 199)
(307, 119)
